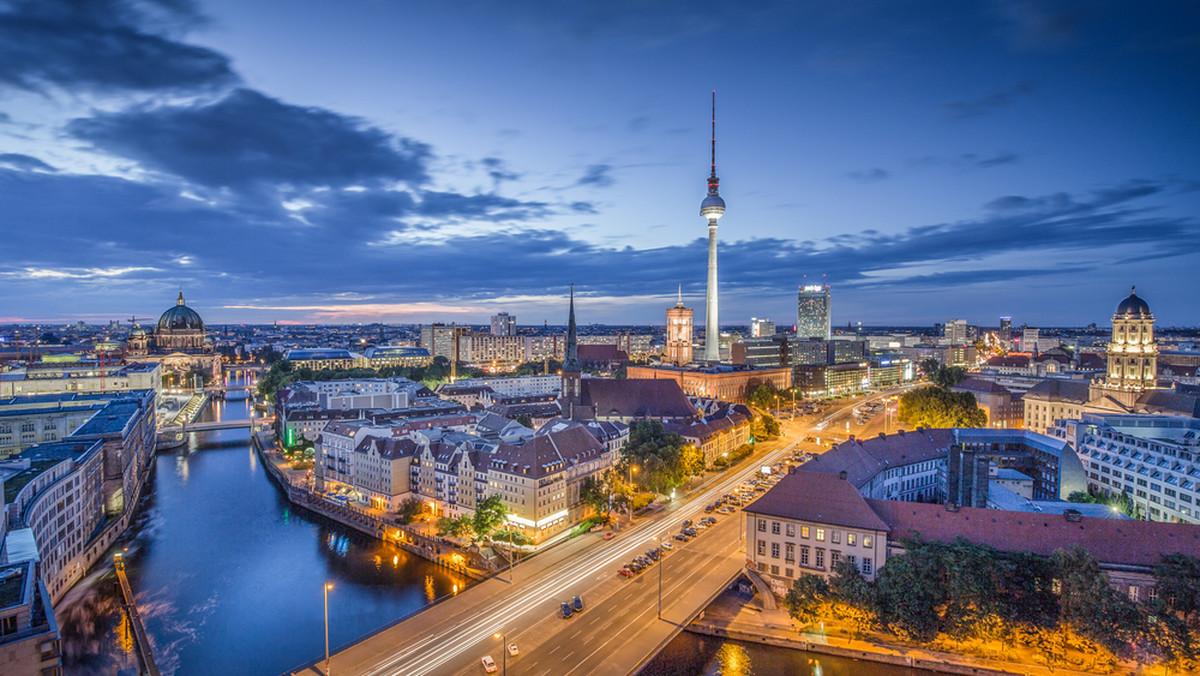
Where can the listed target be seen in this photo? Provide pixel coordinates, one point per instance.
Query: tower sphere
(713, 207)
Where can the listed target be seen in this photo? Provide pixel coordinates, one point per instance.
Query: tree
(948, 376)
(409, 510)
(928, 366)
(937, 407)
(489, 514)
(805, 598)
(592, 492)
(763, 397)
(1177, 578)
(1089, 604)
(908, 592)
(455, 527)
(660, 456)
(524, 419)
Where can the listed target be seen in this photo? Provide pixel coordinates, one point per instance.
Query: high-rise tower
(679, 333)
(712, 208)
(1132, 352)
(813, 312)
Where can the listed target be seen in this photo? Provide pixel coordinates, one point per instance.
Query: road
(617, 631)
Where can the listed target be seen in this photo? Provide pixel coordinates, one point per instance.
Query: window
(1152, 593)
(789, 572)
(835, 537)
(866, 566)
(834, 558)
(762, 525)
(851, 539)
(867, 541)
(762, 547)
(774, 570)
(774, 550)
(804, 532)
(804, 556)
(791, 530)
(820, 558)
(1133, 593)
(775, 528)
(821, 534)
(789, 552)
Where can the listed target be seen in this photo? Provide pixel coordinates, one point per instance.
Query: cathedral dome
(1133, 306)
(180, 318)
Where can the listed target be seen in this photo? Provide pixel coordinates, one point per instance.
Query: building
(179, 342)
(29, 636)
(761, 328)
(712, 208)
(440, 339)
(813, 312)
(678, 349)
(715, 436)
(504, 324)
(1130, 386)
(956, 332)
(827, 380)
(1001, 407)
(403, 356)
(321, 358)
(79, 494)
(1153, 459)
(502, 351)
(766, 352)
(29, 420)
(65, 375)
(727, 382)
(516, 385)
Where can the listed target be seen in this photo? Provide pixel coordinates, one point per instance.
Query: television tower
(712, 208)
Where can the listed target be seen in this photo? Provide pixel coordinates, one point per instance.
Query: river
(229, 575)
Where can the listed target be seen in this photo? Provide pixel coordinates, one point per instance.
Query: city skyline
(965, 161)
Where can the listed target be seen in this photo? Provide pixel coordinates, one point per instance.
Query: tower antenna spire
(714, 134)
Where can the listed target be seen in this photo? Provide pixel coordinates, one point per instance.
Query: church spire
(571, 360)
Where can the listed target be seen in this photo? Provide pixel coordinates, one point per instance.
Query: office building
(956, 332)
(761, 328)
(504, 324)
(813, 312)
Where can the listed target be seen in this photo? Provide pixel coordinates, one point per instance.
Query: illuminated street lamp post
(503, 652)
(328, 586)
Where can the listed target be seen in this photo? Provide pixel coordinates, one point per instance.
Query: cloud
(498, 171)
(487, 207)
(248, 140)
(1042, 26)
(583, 208)
(869, 175)
(966, 161)
(24, 162)
(104, 45)
(990, 102)
(598, 175)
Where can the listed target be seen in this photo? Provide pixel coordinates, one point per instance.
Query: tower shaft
(712, 323)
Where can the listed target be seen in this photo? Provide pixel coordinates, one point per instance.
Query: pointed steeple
(679, 303)
(571, 360)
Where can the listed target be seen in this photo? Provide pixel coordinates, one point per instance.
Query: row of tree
(488, 517)
(966, 590)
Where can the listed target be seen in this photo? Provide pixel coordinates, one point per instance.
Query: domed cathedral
(178, 342)
(180, 329)
(1133, 352)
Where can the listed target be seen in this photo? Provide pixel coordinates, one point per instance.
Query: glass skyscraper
(813, 312)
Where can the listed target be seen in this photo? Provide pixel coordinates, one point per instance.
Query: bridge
(621, 628)
(248, 423)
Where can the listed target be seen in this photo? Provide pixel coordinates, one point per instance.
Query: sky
(404, 162)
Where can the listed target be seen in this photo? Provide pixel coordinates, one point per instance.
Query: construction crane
(134, 320)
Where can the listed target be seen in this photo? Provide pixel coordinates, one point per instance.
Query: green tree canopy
(489, 514)
(763, 397)
(663, 458)
(936, 407)
(804, 599)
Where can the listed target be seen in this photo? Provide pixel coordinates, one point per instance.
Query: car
(647, 561)
(577, 604)
(609, 535)
(513, 650)
(724, 510)
(708, 509)
(489, 664)
(635, 566)
(681, 537)
(686, 523)
(690, 532)
(653, 554)
(625, 572)
(566, 610)
(667, 545)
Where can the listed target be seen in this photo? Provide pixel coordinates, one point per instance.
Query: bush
(641, 500)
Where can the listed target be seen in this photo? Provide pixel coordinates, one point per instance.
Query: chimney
(1073, 515)
(852, 438)
(842, 475)
(951, 506)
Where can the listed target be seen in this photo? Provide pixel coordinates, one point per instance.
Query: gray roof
(817, 497)
(1075, 391)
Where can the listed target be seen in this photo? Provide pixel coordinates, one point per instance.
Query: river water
(229, 575)
(229, 578)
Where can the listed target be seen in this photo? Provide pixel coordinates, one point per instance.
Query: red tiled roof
(813, 496)
(634, 398)
(1111, 541)
(549, 453)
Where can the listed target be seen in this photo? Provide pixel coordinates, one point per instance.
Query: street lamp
(503, 652)
(328, 586)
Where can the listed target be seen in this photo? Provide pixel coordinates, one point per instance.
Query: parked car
(653, 554)
(577, 604)
(667, 545)
(625, 572)
(681, 537)
(489, 664)
(686, 523)
(566, 610)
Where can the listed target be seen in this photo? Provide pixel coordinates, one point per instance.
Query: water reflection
(694, 655)
(228, 574)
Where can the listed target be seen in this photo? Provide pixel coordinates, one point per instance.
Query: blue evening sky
(368, 160)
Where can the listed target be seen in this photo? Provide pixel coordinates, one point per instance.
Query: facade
(956, 332)
(179, 343)
(506, 350)
(1153, 459)
(732, 383)
(1002, 408)
(516, 385)
(29, 420)
(319, 358)
(678, 350)
(1133, 352)
(715, 436)
(405, 356)
(761, 328)
(29, 636)
(504, 324)
(79, 494)
(813, 312)
(440, 339)
(61, 376)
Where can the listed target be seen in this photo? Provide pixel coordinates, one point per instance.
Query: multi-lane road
(619, 628)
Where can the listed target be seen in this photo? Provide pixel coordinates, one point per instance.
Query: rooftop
(814, 496)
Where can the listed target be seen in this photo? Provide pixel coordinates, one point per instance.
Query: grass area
(585, 526)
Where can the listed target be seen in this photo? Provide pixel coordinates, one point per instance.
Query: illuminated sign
(812, 288)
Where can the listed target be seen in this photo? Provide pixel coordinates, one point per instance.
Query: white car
(489, 664)
(512, 649)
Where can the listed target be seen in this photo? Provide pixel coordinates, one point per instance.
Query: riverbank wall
(408, 539)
